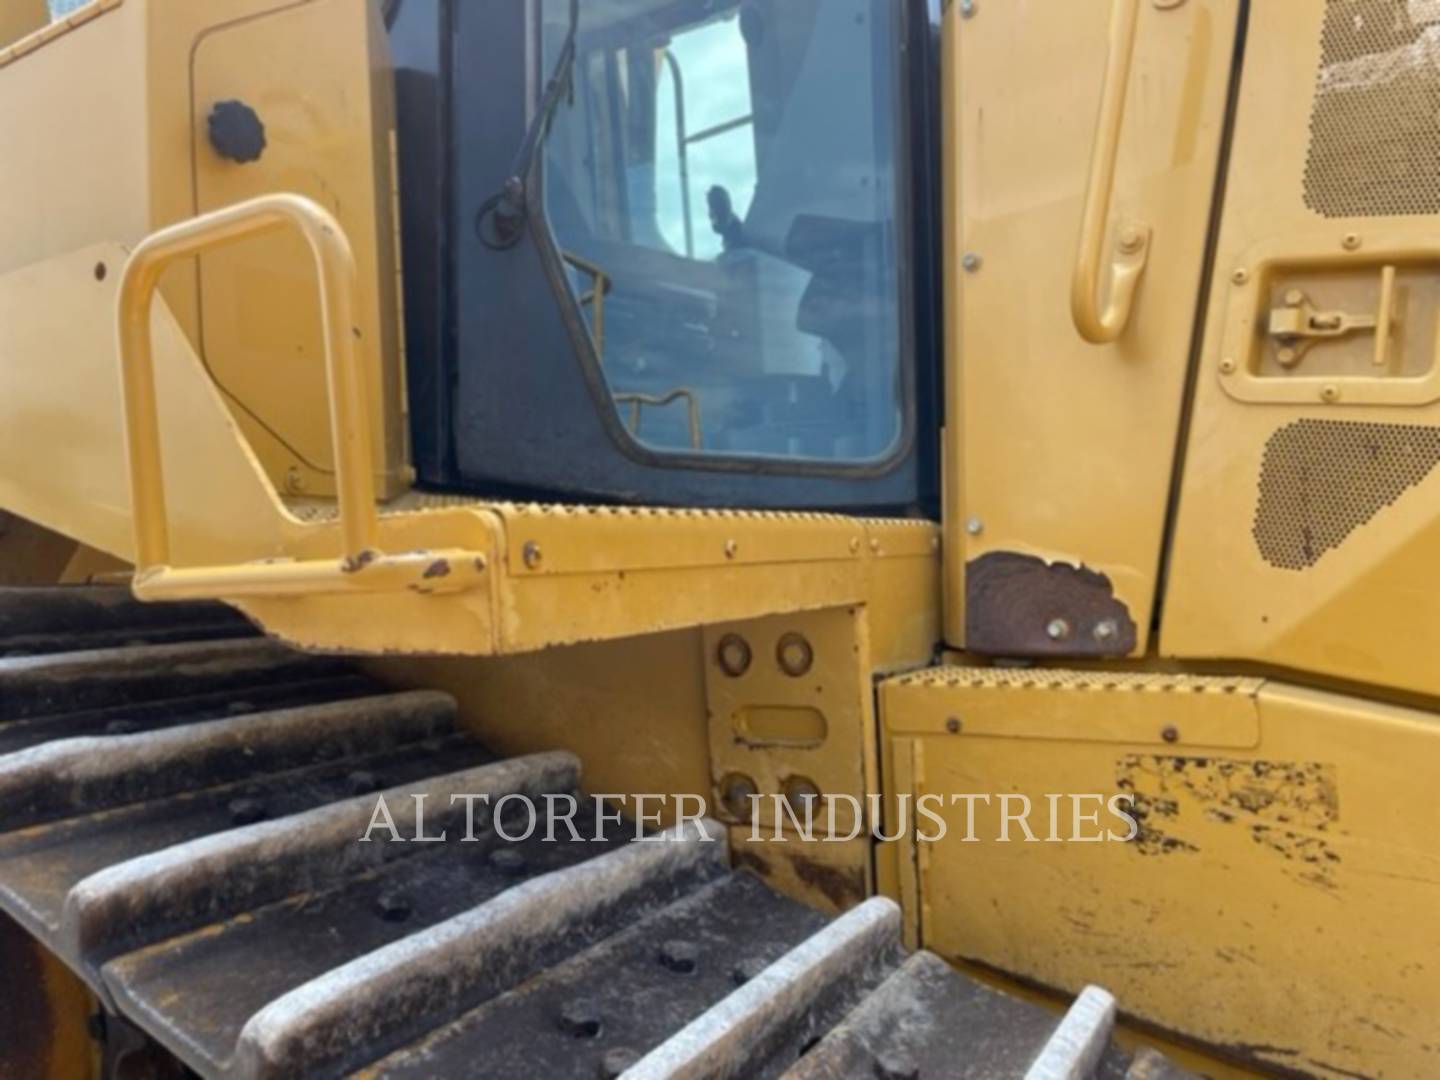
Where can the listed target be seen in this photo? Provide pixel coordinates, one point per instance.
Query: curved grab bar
(349, 427)
(1132, 246)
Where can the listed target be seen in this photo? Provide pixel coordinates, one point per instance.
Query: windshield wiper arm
(500, 221)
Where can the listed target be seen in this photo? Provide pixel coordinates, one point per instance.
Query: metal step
(182, 824)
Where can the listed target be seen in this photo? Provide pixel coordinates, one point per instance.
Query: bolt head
(800, 792)
(736, 791)
(794, 654)
(392, 905)
(733, 655)
(679, 956)
(580, 1019)
(1106, 630)
(952, 725)
(894, 1064)
(971, 262)
(1057, 629)
(532, 555)
(616, 1060)
(1170, 733)
(748, 969)
(974, 526)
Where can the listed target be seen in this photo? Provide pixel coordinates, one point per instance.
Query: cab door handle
(1132, 243)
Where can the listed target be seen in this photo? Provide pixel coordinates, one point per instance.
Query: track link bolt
(895, 1065)
(580, 1019)
(679, 956)
(392, 905)
(616, 1061)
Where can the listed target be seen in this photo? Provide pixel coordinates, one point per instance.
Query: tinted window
(722, 187)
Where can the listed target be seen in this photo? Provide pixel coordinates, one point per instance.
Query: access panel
(1310, 505)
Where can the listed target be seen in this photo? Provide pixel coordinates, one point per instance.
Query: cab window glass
(721, 185)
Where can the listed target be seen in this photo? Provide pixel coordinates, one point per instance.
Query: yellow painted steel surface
(122, 151)
(1275, 901)
(318, 75)
(1057, 447)
(1310, 506)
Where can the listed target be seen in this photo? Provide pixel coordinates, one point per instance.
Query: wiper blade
(500, 221)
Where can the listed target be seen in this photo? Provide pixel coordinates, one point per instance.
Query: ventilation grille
(1375, 124)
(1323, 479)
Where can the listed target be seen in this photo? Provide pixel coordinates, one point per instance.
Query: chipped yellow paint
(1274, 902)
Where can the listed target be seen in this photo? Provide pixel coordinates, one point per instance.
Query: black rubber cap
(236, 132)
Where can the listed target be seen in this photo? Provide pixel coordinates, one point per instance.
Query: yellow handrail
(692, 409)
(1132, 245)
(360, 562)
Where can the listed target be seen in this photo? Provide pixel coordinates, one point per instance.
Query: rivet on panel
(1350, 241)
(971, 262)
(1227, 365)
(952, 725)
(1170, 733)
(967, 8)
(974, 526)
(1057, 629)
(732, 548)
(532, 555)
(1106, 630)
(1330, 392)
(1240, 275)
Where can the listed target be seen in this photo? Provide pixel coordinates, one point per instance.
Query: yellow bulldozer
(719, 538)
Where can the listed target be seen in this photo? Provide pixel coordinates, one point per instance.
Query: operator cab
(721, 286)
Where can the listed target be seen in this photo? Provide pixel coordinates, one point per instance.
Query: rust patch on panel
(842, 886)
(1286, 807)
(1020, 605)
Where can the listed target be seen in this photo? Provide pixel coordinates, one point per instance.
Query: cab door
(1309, 513)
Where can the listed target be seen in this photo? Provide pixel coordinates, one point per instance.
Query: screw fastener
(1057, 629)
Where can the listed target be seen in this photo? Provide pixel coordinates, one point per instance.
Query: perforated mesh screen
(1322, 479)
(1375, 124)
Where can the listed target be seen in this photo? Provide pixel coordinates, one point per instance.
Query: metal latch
(1298, 325)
